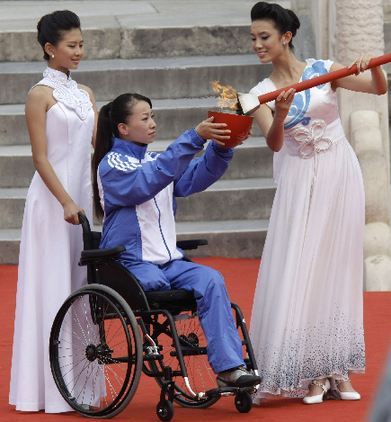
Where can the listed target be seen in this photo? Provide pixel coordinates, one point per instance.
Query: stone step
(130, 29)
(252, 159)
(246, 199)
(179, 77)
(128, 43)
(16, 166)
(241, 199)
(11, 207)
(9, 246)
(173, 116)
(233, 238)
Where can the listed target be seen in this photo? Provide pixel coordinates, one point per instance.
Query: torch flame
(228, 96)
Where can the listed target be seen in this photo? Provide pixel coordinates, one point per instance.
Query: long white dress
(50, 247)
(307, 317)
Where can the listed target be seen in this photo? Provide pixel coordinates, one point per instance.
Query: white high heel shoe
(345, 395)
(325, 386)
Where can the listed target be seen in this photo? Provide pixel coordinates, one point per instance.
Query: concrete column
(359, 30)
(323, 24)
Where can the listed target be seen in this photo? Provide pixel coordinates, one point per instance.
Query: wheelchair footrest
(221, 391)
(228, 391)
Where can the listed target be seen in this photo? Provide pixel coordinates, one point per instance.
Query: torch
(250, 102)
(236, 122)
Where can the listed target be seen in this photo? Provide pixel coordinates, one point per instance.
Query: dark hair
(284, 19)
(52, 26)
(110, 116)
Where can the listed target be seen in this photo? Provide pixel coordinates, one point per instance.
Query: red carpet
(240, 275)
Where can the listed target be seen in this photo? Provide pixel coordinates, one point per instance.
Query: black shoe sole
(241, 382)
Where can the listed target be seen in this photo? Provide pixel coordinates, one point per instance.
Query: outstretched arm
(373, 82)
(203, 171)
(127, 183)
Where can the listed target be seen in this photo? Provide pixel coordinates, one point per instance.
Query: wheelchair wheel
(96, 351)
(243, 402)
(165, 410)
(201, 376)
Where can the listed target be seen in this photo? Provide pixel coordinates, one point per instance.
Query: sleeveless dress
(307, 319)
(50, 247)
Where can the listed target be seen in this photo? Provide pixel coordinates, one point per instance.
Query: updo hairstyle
(283, 19)
(51, 27)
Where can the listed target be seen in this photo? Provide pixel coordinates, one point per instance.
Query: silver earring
(52, 56)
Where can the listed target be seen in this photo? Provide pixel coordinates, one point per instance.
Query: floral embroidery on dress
(302, 99)
(66, 91)
(298, 108)
(311, 139)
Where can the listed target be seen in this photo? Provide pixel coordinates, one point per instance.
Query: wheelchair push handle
(83, 221)
(85, 225)
(91, 252)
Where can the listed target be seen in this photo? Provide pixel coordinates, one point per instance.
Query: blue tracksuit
(137, 190)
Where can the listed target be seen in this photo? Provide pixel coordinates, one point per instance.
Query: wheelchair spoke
(109, 337)
(109, 382)
(116, 376)
(91, 353)
(72, 364)
(93, 397)
(77, 379)
(82, 390)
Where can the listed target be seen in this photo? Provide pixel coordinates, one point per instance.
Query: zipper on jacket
(160, 228)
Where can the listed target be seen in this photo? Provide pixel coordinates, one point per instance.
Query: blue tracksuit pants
(213, 305)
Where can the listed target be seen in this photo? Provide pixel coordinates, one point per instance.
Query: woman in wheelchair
(135, 191)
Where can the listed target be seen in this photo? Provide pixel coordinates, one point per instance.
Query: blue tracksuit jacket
(138, 190)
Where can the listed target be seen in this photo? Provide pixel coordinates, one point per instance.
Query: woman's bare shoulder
(40, 92)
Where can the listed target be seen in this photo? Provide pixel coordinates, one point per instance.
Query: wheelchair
(110, 331)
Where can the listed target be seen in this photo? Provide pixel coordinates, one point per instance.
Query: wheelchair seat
(173, 300)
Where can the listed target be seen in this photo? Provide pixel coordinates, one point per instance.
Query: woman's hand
(283, 102)
(373, 82)
(209, 130)
(362, 64)
(71, 211)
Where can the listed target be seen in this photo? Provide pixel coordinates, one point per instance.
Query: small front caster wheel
(243, 402)
(165, 410)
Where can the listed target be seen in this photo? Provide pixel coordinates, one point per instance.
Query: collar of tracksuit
(129, 148)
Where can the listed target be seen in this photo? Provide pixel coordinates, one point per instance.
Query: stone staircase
(232, 214)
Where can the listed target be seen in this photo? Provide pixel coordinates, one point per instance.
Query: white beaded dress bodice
(66, 91)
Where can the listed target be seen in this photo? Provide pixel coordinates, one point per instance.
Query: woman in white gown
(61, 120)
(307, 322)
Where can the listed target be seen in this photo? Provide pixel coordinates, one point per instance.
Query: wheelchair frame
(113, 297)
